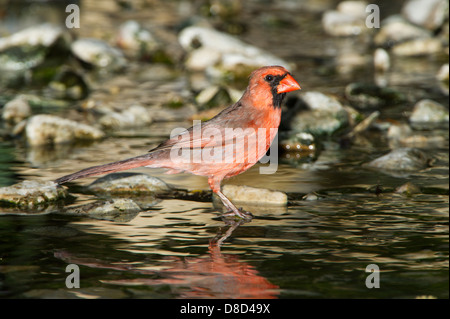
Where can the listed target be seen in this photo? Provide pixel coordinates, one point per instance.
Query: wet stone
(396, 29)
(221, 53)
(402, 159)
(429, 111)
(49, 129)
(347, 20)
(129, 183)
(429, 14)
(98, 53)
(31, 194)
(133, 116)
(119, 210)
(408, 189)
(255, 196)
(16, 110)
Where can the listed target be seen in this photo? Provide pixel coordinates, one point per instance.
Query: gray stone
(401, 160)
(129, 183)
(49, 129)
(31, 194)
(429, 111)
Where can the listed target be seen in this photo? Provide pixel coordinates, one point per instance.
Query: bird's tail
(129, 163)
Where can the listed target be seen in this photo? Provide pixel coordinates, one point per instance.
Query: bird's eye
(268, 78)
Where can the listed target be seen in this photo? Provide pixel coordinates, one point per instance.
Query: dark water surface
(309, 249)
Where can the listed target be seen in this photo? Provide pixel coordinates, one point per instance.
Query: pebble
(129, 183)
(401, 160)
(347, 20)
(381, 60)
(209, 48)
(403, 136)
(135, 40)
(319, 101)
(39, 35)
(118, 210)
(408, 189)
(319, 122)
(396, 29)
(133, 116)
(98, 53)
(16, 110)
(31, 194)
(429, 111)
(46, 129)
(417, 47)
(429, 14)
(255, 196)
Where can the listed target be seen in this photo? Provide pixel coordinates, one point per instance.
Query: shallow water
(309, 249)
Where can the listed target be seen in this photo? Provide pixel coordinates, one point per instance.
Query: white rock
(16, 110)
(381, 60)
(208, 47)
(348, 19)
(98, 53)
(429, 111)
(319, 101)
(134, 116)
(429, 14)
(396, 29)
(255, 196)
(49, 129)
(44, 34)
(342, 24)
(418, 47)
(353, 8)
(443, 73)
(202, 58)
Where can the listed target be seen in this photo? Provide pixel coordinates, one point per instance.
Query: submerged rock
(49, 129)
(119, 210)
(408, 189)
(129, 183)
(208, 48)
(429, 111)
(255, 196)
(403, 136)
(16, 110)
(401, 160)
(31, 194)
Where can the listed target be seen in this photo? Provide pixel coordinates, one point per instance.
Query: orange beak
(288, 84)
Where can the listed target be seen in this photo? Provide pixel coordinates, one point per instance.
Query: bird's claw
(240, 214)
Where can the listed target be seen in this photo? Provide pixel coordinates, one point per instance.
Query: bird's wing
(212, 133)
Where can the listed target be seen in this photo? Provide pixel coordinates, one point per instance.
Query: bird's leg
(214, 183)
(232, 209)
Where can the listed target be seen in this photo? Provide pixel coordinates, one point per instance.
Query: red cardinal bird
(226, 145)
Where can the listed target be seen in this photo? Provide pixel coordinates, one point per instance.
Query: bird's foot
(239, 213)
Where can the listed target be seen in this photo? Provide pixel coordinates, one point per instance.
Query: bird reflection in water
(213, 275)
